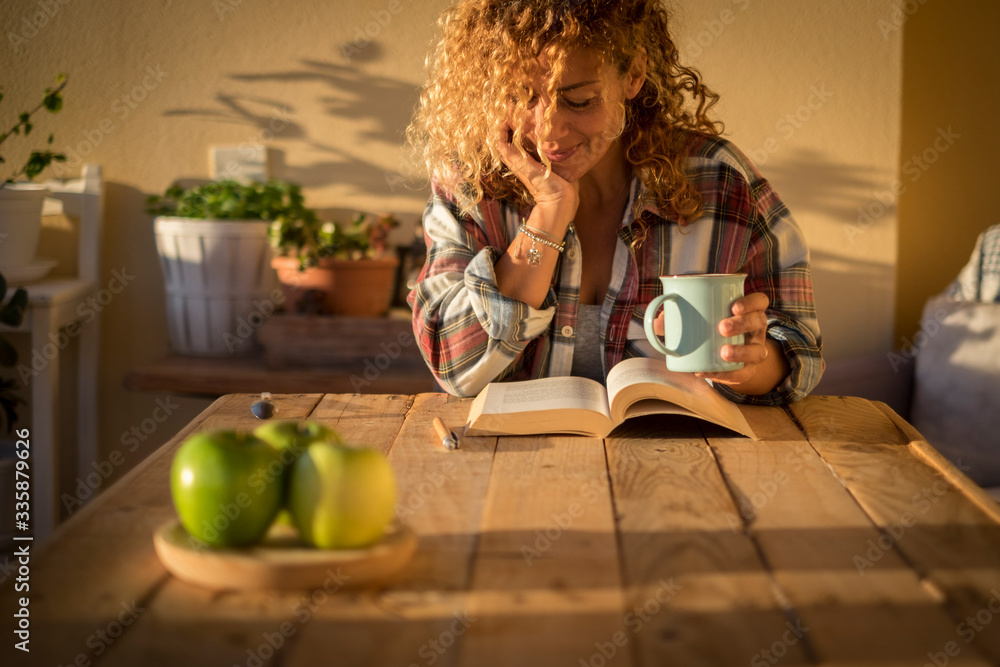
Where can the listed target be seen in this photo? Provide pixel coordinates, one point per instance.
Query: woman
(573, 163)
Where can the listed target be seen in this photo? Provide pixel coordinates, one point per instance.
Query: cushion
(956, 400)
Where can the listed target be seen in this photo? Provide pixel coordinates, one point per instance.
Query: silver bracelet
(534, 254)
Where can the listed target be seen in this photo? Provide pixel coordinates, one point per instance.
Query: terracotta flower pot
(364, 286)
(310, 290)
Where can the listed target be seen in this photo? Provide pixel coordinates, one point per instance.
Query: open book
(583, 406)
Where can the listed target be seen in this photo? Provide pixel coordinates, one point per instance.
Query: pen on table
(448, 438)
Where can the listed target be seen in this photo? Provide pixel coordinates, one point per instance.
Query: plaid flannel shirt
(979, 279)
(470, 334)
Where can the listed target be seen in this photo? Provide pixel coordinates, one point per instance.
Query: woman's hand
(764, 364)
(556, 201)
(549, 190)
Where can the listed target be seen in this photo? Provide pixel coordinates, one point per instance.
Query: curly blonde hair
(477, 78)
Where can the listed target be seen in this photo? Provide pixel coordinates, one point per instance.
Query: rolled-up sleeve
(469, 333)
(777, 264)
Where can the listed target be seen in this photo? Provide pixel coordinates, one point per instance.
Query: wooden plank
(926, 452)
(243, 628)
(101, 567)
(546, 587)
(215, 377)
(811, 532)
(426, 612)
(945, 537)
(697, 590)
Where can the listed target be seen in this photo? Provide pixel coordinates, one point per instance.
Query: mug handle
(647, 324)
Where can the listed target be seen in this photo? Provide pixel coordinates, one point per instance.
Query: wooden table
(841, 538)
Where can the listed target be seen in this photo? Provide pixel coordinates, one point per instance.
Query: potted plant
(213, 245)
(12, 314)
(304, 249)
(21, 202)
(356, 258)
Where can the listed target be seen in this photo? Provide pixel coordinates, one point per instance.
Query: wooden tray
(281, 561)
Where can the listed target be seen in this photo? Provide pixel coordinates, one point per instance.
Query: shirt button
(567, 331)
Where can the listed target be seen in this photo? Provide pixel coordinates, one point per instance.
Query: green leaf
(8, 355)
(12, 314)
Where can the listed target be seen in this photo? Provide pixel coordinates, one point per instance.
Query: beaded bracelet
(540, 232)
(534, 254)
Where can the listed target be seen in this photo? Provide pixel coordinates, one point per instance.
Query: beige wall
(810, 89)
(951, 61)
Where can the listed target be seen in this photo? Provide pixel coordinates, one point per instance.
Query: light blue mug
(692, 341)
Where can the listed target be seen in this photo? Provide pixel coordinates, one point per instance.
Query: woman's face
(586, 118)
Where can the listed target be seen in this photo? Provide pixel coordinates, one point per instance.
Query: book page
(548, 405)
(633, 381)
(559, 393)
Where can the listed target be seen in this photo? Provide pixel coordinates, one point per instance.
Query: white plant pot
(219, 282)
(20, 223)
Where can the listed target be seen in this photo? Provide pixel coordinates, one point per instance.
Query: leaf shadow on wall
(375, 108)
(843, 208)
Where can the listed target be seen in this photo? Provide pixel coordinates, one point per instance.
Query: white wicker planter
(20, 223)
(219, 282)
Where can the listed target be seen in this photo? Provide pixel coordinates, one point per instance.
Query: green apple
(224, 487)
(291, 437)
(341, 497)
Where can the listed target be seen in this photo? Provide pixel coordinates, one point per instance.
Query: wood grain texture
(697, 589)
(814, 536)
(926, 452)
(426, 613)
(248, 626)
(113, 534)
(840, 538)
(545, 587)
(946, 538)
